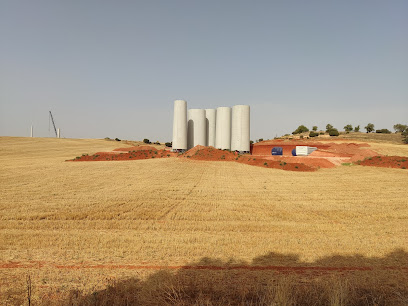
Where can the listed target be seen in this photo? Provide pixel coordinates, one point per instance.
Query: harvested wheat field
(82, 230)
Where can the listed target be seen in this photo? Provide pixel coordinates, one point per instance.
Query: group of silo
(224, 128)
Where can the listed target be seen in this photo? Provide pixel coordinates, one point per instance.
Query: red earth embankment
(130, 155)
(137, 148)
(212, 154)
(400, 162)
(328, 155)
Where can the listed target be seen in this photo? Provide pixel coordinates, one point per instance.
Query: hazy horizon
(114, 69)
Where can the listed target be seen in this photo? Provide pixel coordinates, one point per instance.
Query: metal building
(210, 115)
(223, 128)
(180, 126)
(196, 128)
(240, 128)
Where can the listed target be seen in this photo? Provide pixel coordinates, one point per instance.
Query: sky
(114, 68)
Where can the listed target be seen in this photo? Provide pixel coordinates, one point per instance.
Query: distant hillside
(360, 136)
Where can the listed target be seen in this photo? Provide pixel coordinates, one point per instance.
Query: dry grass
(374, 137)
(172, 211)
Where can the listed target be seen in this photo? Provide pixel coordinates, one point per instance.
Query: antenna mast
(55, 129)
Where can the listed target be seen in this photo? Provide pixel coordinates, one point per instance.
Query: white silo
(180, 125)
(223, 128)
(240, 128)
(196, 128)
(210, 115)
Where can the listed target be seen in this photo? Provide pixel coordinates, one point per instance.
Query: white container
(223, 128)
(180, 125)
(240, 128)
(196, 128)
(304, 150)
(210, 115)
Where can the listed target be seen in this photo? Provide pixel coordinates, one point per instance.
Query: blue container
(294, 152)
(277, 151)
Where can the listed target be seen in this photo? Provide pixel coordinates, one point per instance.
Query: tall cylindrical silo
(223, 128)
(180, 125)
(240, 128)
(210, 115)
(196, 128)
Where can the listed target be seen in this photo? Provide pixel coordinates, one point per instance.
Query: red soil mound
(137, 148)
(130, 155)
(311, 161)
(277, 164)
(212, 154)
(209, 154)
(399, 162)
(265, 149)
(327, 154)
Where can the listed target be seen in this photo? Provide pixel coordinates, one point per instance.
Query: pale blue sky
(113, 68)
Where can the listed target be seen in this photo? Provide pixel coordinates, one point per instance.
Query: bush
(383, 131)
(334, 132)
(146, 141)
(313, 134)
(117, 139)
(314, 128)
(168, 144)
(357, 128)
(300, 129)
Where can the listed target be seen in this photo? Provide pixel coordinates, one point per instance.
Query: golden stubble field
(79, 224)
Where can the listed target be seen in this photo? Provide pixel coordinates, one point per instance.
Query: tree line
(332, 131)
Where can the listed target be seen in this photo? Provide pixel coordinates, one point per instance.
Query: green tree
(328, 128)
(146, 141)
(369, 128)
(300, 129)
(400, 128)
(405, 136)
(348, 128)
(314, 128)
(357, 128)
